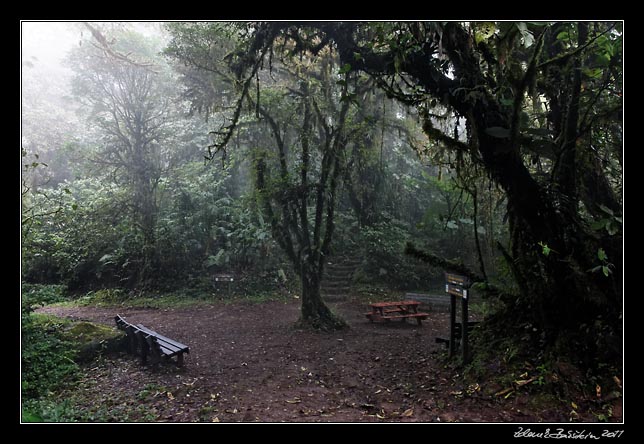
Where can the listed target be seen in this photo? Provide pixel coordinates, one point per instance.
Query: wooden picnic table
(403, 310)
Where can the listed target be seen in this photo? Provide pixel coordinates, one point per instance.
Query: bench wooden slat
(169, 341)
(167, 351)
(170, 349)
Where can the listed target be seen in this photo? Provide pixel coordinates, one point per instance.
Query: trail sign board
(457, 285)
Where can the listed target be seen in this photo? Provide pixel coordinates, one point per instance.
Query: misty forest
(321, 222)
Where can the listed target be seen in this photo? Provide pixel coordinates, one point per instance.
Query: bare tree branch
(106, 47)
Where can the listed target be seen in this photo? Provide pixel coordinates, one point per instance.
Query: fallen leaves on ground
(371, 377)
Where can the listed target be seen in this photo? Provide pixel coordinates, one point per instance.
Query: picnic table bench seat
(420, 316)
(403, 310)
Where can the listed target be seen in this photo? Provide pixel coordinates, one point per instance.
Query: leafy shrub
(103, 297)
(34, 295)
(383, 245)
(202, 230)
(47, 410)
(81, 223)
(47, 358)
(86, 240)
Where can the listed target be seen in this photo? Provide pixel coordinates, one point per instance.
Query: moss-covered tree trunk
(489, 79)
(568, 306)
(314, 312)
(286, 200)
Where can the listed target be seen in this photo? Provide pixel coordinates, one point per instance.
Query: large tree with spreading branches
(541, 103)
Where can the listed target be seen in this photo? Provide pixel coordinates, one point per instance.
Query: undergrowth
(517, 365)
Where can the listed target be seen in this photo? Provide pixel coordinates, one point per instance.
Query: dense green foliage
(53, 353)
(47, 357)
(90, 230)
(142, 210)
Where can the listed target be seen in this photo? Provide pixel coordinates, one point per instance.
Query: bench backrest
(121, 323)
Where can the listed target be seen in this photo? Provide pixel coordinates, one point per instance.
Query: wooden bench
(146, 342)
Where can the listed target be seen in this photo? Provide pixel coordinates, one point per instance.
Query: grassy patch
(72, 409)
(47, 356)
(34, 295)
(51, 350)
(151, 390)
(509, 367)
(109, 298)
(259, 298)
(90, 339)
(48, 410)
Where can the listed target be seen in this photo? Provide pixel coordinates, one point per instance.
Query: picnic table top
(394, 304)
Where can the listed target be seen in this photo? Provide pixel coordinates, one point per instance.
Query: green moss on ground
(91, 339)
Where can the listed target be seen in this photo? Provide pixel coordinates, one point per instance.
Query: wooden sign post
(458, 286)
(217, 278)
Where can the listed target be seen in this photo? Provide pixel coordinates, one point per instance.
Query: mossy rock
(92, 339)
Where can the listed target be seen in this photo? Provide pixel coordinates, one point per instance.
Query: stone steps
(335, 290)
(336, 282)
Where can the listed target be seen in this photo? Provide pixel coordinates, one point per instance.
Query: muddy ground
(247, 363)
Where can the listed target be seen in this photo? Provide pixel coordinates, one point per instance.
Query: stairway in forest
(336, 282)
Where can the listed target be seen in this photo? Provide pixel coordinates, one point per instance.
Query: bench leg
(180, 360)
(155, 352)
(420, 321)
(145, 348)
(131, 340)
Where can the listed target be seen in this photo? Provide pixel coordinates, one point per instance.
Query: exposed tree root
(327, 323)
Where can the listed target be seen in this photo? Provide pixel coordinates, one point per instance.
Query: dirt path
(247, 363)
